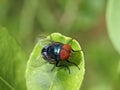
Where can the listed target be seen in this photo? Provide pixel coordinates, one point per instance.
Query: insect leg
(76, 50)
(70, 42)
(63, 65)
(54, 65)
(73, 64)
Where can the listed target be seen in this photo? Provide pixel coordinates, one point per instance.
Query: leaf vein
(6, 83)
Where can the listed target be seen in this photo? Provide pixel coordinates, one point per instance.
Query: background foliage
(83, 20)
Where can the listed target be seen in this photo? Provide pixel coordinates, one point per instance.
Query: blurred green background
(84, 20)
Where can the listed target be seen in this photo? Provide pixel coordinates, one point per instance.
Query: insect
(56, 52)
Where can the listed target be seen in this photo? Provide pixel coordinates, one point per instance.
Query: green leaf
(12, 63)
(39, 75)
(113, 22)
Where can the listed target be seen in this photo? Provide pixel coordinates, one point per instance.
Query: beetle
(56, 52)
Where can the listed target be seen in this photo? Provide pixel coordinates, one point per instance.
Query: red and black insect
(56, 52)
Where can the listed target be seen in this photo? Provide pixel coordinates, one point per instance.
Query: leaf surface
(12, 63)
(39, 75)
(113, 22)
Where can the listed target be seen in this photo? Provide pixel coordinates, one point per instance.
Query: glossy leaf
(12, 63)
(39, 75)
(113, 22)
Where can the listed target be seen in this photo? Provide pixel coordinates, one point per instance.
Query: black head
(44, 53)
(48, 53)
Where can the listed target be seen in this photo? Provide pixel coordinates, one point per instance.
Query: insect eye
(44, 55)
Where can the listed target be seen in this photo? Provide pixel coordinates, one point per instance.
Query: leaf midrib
(51, 86)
